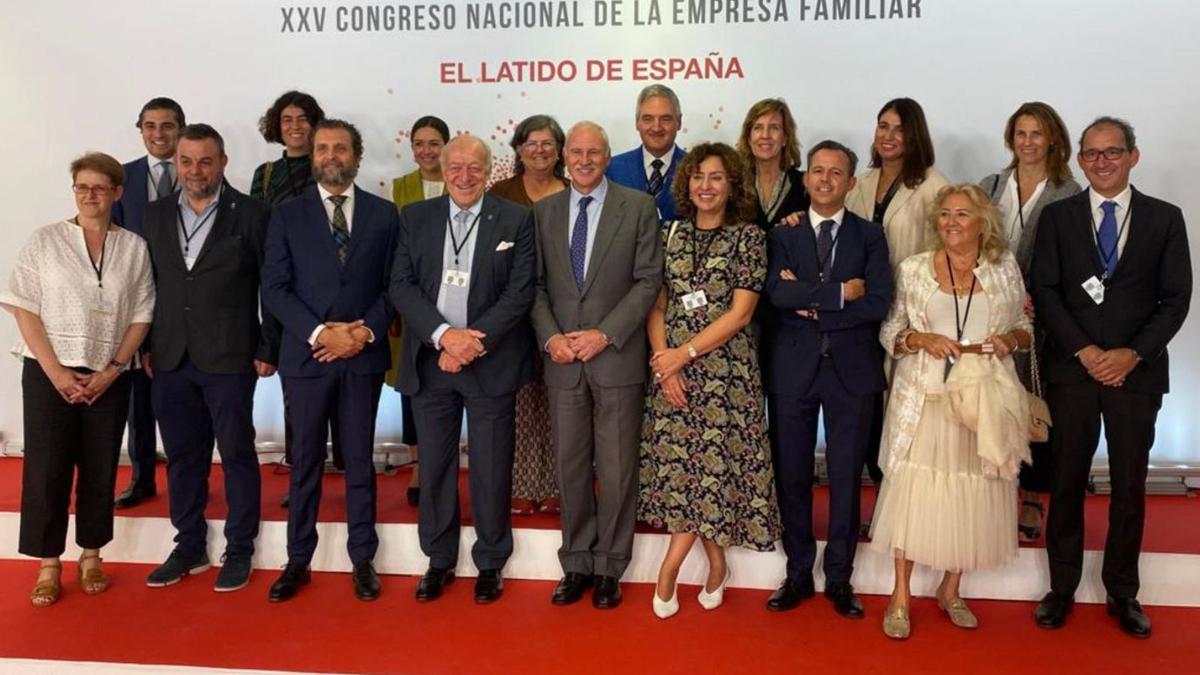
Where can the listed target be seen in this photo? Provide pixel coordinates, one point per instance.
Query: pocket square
(504, 246)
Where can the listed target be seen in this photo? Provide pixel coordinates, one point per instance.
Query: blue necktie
(1107, 237)
(579, 241)
(655, 184)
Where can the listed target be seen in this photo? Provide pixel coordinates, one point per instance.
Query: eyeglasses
(91, 189)
(535, 145)
(1111, 154)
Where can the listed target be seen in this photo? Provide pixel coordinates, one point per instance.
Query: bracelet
(903, 340)
(118, 365)
(691, 351)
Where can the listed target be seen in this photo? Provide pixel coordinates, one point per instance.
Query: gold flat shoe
(47, 591)
(93, 581)
(960, 615)
(896, 624)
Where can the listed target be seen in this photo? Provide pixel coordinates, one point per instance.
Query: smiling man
(1112, 283)
(650, 167)
(463, 278)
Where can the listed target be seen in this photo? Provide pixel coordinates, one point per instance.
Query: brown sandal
(47, 591)
(93, 581)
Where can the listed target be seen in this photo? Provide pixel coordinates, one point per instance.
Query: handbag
(1039, 413)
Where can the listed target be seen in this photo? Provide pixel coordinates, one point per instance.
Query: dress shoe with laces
(234, 574)
(607, 594)
(433, 583)
(135, 494)
(1130, 616)
(845, 602)
(289, 582)
(570, 588)
(366, 581)
(1052, 611)
(790, 594)
(489, 586)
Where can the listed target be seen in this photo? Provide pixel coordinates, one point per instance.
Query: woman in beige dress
(940, 503)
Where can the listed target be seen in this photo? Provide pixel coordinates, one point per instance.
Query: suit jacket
(305, 285)
(852, 329)
(624, 275)
(501, 291)
(905, 220)
(1145, 301)
(130, 209)
(996, 185)
(211, 312)
(629, 170)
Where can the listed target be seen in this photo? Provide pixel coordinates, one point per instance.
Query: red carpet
(1170, 521)
(326, 629)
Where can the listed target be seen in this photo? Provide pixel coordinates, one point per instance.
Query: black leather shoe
(1052, 611)
(135, 494)
(366, 581)
(790, 594)
(433, 583)
(1130, 615)
(845, 602)
(570, 588)
(489, 586)
(607, 594)
(288, 584)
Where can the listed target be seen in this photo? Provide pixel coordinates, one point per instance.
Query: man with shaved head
(463, 277)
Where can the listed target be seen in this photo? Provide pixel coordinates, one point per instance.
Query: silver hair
(587, 124)
(468, 138)
(657, 90)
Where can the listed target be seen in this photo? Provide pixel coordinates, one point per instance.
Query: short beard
(339, 177)
(209, 189)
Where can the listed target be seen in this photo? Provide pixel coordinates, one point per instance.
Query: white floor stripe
(1167, 578)
(40, 667)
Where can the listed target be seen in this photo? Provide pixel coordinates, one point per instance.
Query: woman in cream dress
(939, 503)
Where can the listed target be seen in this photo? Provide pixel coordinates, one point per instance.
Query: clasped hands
(851, 290)
(1108, 367)
(340, 340)
(942, 347)
(667, 365)
(580, 345)
(76, 387)
(460, 346)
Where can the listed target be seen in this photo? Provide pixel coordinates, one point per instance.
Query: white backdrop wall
(74, 76)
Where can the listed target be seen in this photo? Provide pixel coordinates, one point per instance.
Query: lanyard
(97, 268)
(187, 237)
(458, 247)
(1106, 256)
(1020, 206)
(960, 322)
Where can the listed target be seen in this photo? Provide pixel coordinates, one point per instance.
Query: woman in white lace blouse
(82, 293)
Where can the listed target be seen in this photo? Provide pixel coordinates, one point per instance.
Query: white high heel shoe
(665, 609)
(713, 600)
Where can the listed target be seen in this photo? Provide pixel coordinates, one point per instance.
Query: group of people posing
(648, 336)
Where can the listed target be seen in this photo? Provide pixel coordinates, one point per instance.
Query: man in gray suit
(599, 271)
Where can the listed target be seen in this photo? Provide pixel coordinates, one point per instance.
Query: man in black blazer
(147, 178)
(325, 276)
(207, 348)
(830, 283)
(463, 277)
(1112, 282)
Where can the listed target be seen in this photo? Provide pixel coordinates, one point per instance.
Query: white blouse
(1010, 217)
(85, 316)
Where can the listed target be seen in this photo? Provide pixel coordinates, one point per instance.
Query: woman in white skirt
(940, 504)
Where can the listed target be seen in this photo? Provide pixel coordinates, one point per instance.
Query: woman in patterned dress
(705, 462)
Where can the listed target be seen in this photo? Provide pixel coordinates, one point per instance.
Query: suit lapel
(220, 226)
(1085, 233)
(847, 241)
(362, 224)
(319, 226)
(903, 194)
(611, 216)
(556, 247)
(434, 241)
(1135, 232)
(487, 236)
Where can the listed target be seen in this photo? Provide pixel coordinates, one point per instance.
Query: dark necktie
(825, 257)
(164, 180)
(341, 232)
(655, 184)
(1107, 237)
(579, 241)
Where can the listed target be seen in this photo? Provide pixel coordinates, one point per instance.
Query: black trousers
(339, 460)
(143, 441)
(1129, 419)
(62, 439)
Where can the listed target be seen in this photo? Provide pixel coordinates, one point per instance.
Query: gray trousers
(600, 427)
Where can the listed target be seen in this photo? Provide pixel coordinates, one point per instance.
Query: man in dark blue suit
(830, 283)
(325, 276)
(650, 167)
(464, 277)
(146, 179)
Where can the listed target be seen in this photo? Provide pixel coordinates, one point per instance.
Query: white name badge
(101, 304)
(456, 278)
(694, 300)
(1095, 289)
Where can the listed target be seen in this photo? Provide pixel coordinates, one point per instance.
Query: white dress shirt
(648, 159)
(1121, 213)
(348, 212)
(156, 168)
(593, 210)
(466, 256)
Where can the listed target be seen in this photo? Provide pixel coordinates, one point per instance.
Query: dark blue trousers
(195, 409)
(847, 425)
(143, 441)
(313, 401)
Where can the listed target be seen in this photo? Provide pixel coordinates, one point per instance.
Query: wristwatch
(121, 367)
